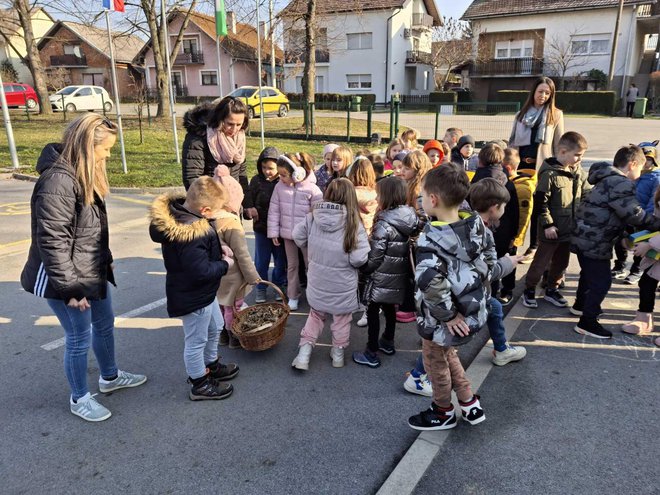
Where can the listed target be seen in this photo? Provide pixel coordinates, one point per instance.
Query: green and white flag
(220, 18)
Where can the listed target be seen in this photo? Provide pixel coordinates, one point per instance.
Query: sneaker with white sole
(337, 356)
(362, 322)
(529, 298)
(632, 278)
(472, 411)
(301, 361)
(553, 296)
(434, 418)
(418, 384)
(592, 329)
(123, 380)
(508, 355)
(87, 408)
(293, 304)
(260, 296)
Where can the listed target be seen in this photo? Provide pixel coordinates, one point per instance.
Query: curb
(116, 190)
(417, 459)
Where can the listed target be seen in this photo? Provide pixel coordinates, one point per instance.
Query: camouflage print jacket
(605, 211)
(455, 265)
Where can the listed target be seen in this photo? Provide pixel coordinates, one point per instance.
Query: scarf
(225, 149)
(522, 131)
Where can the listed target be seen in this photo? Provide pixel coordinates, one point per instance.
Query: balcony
(525, 66)
(298, 56)
(68, 61)
(189, 58)
(648, 10)
(417, 57)
(422, 21)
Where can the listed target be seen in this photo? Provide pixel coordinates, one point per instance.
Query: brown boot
(234, 343)
(642, 324)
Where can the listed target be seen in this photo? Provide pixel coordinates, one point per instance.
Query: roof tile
(483, 8)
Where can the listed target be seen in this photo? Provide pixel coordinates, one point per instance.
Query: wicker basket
(260, 340)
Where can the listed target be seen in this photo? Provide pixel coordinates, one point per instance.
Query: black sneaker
(577, 310)
(632, 278)
(505, 298)
(619, 270)
(224, 337)
(205, 388)
(472, 411)
(592, 329)
(529, 298)
(434, 418)
(553, 296)
(222, 372)
(386, 346)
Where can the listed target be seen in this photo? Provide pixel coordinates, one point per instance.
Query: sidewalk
(577, 415)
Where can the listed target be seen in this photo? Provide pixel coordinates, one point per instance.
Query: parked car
(274, 101)
(20, 95)
(74, 98)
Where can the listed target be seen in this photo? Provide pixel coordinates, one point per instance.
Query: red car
(20, 95)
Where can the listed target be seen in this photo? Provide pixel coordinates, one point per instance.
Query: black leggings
(373, 323)
(647, 287)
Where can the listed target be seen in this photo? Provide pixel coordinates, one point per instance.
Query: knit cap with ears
(467, 139)
(234, 189)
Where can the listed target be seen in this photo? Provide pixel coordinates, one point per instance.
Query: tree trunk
(158, 48)
(309, 73)
(34, 61)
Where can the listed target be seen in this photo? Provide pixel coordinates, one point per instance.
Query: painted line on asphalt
(417, 459)
(578, 345)
(130, 314)
(132, 200)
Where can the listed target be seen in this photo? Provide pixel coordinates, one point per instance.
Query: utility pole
(615, 42)
(273, 72)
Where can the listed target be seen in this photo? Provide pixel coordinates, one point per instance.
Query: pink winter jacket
(654, 242)
(290, 204)
(367, 202)
(332, 274)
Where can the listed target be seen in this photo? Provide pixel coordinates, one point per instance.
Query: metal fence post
(369, 116)
(391, 119)
(103, 104)
(437, 120)
(348, 121)
(306, 118)
(27, 110)
(396, 118)
(63, 109)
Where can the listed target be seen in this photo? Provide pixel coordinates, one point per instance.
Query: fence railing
(417, 57)
(67, 60)
(527, 66)
(422, 21)
(189, 58)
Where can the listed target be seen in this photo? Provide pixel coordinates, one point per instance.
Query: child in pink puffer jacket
(292, 199)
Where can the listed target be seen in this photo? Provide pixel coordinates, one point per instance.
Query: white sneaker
(337, 355)
(89, 409)
(419, 386)
(301, 362)
(123, 380)
(508, 355)
(293, 304)
(362, 322)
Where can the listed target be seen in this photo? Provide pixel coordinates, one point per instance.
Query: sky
(452, 8)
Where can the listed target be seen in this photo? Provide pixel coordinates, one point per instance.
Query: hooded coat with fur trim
(191, 252)
(197, 159)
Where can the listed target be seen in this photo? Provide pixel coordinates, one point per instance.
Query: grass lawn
(153, 164)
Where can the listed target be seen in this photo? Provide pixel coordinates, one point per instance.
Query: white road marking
(130, 314)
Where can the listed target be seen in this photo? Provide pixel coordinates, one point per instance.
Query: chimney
(263, 27)
(231, 22)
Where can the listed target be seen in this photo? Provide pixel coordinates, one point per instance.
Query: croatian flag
(114, 5)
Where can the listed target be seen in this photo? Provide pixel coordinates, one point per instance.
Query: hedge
(443, 97)
(601, 102)
(332, 100)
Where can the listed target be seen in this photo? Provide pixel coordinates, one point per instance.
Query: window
(358, 81)
(84, 92)
(514, 49)
(359, 41)
(271, 92)
(190, 46)
(590, 44)
(209, 77)
(73, 50)
(98, 91)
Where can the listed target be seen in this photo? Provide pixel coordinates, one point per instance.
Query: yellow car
(273, 100)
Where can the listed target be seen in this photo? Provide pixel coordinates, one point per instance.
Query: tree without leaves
(452, 47)
(561, 57)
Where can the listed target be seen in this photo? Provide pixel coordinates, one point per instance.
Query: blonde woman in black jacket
(70, 263)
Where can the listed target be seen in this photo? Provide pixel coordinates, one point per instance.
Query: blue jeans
(263, 250)
(495, 324)
(96, 325)
(201, 331)
(594, 284)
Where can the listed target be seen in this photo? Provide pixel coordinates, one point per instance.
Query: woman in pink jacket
(292, 199)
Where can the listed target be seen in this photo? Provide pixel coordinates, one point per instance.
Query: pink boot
(642, 324)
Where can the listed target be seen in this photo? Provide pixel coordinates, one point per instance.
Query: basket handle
(274, 286)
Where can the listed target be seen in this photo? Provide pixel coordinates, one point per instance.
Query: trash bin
(355, 103)
(640, 108)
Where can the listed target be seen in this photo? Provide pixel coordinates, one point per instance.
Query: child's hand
(253, 214)
(230, 262)
(516, 258)
(457, 326)
(641, 249)
(276, 241)
(227, 252)
(551, 233)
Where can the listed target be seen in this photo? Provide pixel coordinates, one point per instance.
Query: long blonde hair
(78, 142)
(362, 173)
(420, 163)
(342, 192)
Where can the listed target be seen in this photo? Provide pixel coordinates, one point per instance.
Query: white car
(74, 98)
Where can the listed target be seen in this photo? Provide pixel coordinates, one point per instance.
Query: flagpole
(115, 91)
(169, 79)
(8, 128)
(261, 101)
(217, 49)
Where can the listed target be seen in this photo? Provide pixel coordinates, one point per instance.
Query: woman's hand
(457, 326)
(82, 305)
(276, 241)
(227, 252)
(551, 233)
(253, 214)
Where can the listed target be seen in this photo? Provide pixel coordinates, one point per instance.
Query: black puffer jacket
(260, 191)
(197, 159)
(389, 267)
(70, 255)
(192, 255)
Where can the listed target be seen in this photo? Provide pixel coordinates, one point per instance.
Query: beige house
(12, 44)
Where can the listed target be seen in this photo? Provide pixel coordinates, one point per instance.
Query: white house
(378, 47)
(519, 40)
